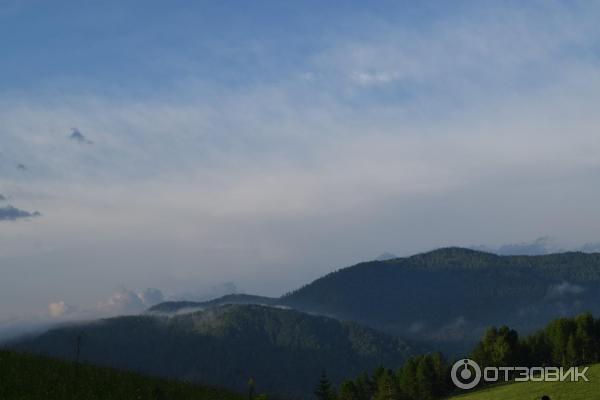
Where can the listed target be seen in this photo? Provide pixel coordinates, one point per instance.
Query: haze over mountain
(447, 297)
(539, 246)
(439, 300)
(386, 256)
(284, 351)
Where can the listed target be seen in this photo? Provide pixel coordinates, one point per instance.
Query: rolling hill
(284, 351)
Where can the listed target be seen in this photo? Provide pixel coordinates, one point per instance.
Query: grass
(29, 377)
(535, 390)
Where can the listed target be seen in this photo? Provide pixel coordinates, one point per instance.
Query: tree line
(564, 342)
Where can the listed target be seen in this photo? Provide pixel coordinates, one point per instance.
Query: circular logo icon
(466, 374)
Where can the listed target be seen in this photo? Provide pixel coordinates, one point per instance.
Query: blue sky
(266, 143)
(150, 44)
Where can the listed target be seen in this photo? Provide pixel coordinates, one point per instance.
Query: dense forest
(564, 342)
(225, 346)
(445, 298)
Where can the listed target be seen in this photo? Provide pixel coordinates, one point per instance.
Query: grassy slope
(535, 390)
(25, 377)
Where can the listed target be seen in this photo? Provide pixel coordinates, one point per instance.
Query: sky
(196, 148)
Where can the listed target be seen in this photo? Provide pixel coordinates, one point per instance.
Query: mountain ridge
(448, 296)
(227, 345)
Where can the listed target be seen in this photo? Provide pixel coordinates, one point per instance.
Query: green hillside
(29, 377)
(535, 390)
(284, 351)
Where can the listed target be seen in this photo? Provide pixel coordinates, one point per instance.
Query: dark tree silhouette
(324, 391)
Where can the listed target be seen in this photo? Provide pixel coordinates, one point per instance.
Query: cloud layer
(402, 130)
(125, 301)
(121, 302)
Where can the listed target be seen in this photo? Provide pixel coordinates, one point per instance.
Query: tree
(558, 333)
(584, 334)
(365, 387)
(442, 382)
(349, 391)
(426, 380)
(535, 350)
(499, 348)
(324, 391)
(571, 352)
(362, 388)
(251, 389)
(407, 377)
(387, 387)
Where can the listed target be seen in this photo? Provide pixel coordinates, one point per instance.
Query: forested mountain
(183, 306)
(447, 297)
(283, 351)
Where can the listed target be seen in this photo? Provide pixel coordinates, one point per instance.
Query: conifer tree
(324, 391)
(387, 387)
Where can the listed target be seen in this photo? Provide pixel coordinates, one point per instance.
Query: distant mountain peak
(540, 246)
(386, 256)
(453, 251)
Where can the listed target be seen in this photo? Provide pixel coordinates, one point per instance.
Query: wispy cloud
(121, 302)
(10, 213)
(125, 301)
(78, 137)
(477, 126)
(564, 289)
(59, 309)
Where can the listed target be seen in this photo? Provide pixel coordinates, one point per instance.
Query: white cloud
(59, 309)
(151, 296)
(492, 47)
(564, 289)
(375, 78)
(125, 301)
